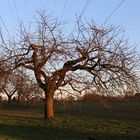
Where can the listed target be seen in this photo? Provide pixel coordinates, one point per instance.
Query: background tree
(10, 86)
(28, 93)
(1, 102)
(7, 84)
(24, 83)
(94, 58)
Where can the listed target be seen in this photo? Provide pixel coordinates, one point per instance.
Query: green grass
(121, 121)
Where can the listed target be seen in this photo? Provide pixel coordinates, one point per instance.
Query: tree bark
(0, 103)
(9, 100)
(18, 99)
(48, 108)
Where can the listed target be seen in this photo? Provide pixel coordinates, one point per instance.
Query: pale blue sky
(127, 16)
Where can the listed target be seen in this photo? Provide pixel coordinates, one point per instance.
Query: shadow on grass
(37, 133)
(71, 126)
(21, 132)
(40, 133)
(44, 130)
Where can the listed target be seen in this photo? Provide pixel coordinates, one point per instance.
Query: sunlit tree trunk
(48, 107)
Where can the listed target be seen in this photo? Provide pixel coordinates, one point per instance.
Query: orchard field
(120, 120)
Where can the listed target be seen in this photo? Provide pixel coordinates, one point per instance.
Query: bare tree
(94, 58)
(4, 79)
(10, 86)
(28, 92)
(23, 82)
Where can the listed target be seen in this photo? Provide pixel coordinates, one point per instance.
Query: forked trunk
(48, 106)
(9, 100)
(18, 99)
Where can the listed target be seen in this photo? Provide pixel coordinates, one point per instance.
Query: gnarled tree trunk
(48, 108)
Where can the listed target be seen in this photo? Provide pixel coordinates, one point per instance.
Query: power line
(54, 4)
(70, 5)
(84, 9)
(64, 7)
(80, 16)
(25, 3)
(16, 9)
(26, 8)
(112, 13)
(2, 21)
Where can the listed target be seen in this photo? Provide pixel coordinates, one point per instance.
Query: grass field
(93, 121)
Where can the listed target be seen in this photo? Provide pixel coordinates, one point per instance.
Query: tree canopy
(94, 58)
